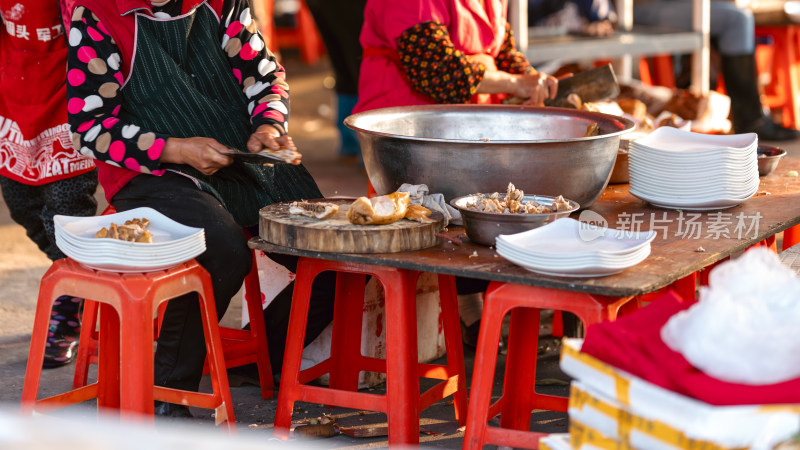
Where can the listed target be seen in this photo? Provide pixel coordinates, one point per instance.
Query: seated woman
(445, 51)
(157, 91)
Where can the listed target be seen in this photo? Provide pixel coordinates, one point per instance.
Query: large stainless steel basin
(465, 149)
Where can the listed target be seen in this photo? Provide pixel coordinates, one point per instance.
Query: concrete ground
(22, 266)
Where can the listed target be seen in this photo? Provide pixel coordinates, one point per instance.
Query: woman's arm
(261, 76)
(434, 67)
(94, 80)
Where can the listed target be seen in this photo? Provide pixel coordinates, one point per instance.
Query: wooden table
(674, 256)
(687, 242)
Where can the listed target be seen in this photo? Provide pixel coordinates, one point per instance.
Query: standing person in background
(421, 52)
(733, 34)
(340, 24)
(41, 175)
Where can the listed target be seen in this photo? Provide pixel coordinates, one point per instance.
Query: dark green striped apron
(181, 84)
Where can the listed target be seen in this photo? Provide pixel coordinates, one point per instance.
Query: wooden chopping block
(338, 235)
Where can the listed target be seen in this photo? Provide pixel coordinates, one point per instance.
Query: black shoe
(164, 409)
(768, 130)
(63, 334)
(60, 351)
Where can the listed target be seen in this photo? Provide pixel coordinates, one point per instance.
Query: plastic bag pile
(745, 327)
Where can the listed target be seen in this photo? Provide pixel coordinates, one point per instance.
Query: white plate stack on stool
(678, 169)
(173, 243)
(571, 248)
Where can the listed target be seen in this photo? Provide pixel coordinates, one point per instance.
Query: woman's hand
(204, 154)
(535, 88)
(267, 136)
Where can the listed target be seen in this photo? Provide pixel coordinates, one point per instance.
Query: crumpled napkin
(420, 195)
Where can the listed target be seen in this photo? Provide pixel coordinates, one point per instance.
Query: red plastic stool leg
(347, 322)
(483, 372)
(453, 344)
(87, 344)
(791, 237)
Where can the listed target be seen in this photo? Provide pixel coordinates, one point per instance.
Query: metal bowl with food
(483, 227)
(768, 158)
(462, 149)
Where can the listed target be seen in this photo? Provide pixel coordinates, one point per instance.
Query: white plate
(666, 195)
(691, 191)
(577, 271)
(670, 139)
(709, 204)
(715, 165)
(125, 269)
(570, 263)
(84, 254)
(161, 227)
(129, 247)
(569, 236)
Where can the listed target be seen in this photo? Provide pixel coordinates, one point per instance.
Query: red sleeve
(434, 67)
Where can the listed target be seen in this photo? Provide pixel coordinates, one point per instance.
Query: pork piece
(559, 204)
(317, 210)
(381, 210)
(134, 230)
(592, 130)
(418, 213)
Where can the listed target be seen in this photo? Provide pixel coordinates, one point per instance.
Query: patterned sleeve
(262, 78)
(94, 79)
(433, 65)
(510, 59)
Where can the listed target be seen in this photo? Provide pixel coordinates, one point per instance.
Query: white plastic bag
(746, 326)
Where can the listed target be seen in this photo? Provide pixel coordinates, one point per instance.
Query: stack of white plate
(172, 244)
(571, 248)
(679, 169)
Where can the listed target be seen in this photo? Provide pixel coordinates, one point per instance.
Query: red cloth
(633, 343)
(35, 140)
(474, 26)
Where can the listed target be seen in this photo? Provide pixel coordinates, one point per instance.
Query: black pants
(180, 352)
(33, 207)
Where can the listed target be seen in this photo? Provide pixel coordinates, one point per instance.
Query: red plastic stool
(402, 402)
(519, 395)
(128, 302)
(240, 347)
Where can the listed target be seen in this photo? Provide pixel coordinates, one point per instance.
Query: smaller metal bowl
(483, 227)
(768, 158)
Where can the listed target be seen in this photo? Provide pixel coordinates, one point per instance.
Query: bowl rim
(626, 124)
(574, 206)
